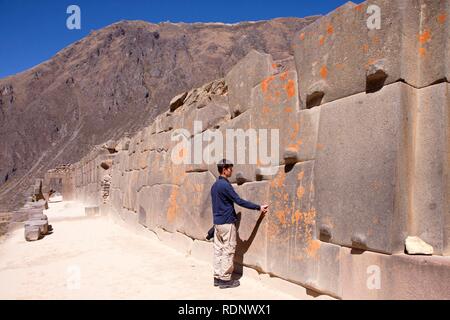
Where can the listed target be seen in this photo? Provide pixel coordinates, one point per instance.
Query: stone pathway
(95, 258)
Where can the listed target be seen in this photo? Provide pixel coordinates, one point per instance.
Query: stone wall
(364, 155)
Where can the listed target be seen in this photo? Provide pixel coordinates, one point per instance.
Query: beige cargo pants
(224, 249)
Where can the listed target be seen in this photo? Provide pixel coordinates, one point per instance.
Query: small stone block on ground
(91, 211)
(32, 233)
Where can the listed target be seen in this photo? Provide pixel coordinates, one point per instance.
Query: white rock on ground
(95, 258)
(415, 245)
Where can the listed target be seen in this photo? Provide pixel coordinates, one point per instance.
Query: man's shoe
(229, 284)
(217, 282)
(210, 234)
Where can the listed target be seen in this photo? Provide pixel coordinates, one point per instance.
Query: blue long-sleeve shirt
(223, 198)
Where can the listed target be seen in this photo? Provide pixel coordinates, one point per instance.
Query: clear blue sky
(33, 31)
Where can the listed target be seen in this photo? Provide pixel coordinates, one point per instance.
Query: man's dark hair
(224, 164)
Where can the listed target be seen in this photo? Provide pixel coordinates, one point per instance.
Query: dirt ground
(97, 258)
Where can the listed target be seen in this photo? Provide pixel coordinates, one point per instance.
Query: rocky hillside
(113, 82)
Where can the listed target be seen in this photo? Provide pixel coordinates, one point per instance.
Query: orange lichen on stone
(300, 175)
(173, 207)
(300, 192)
(284, 76)
(296, 146)
(274, 65)
(281, 215)
(339, 66)
(265, 83)
(321, 40)
(272, 230)
(288, 109)
(290, 88)
(358, 7)
(302, 36)
(266, 109)
(296, 217)
(295, 131)
(422, 52)
(365, 48)
(330, 29)
(313, 248)
(324, 72)
(371, 61)
(310, 216)
(181, 153)
(178, 178)
(442, 18)
(424, 36)
(278, 181)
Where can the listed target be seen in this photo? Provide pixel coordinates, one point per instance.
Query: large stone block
(430, 196)
(251, 247)
(123, 144)
(209, 117)
(347, 52)
(162, 168)
(41, 224)
(246, 74)
(159, 202)
(193, 203)
(159, 141)
(116, 200)
(237, 147)
(32, 233)
(130, 190)
(167, 122)
(142, 179)
(328, 270)
(380, 161)
(447, 179)
(91, 211)
(361, 169)
(143, 160)
(369, 275)
(286, 287)
(134, 160)
(292, 248)
(308, 134)
(275, 108)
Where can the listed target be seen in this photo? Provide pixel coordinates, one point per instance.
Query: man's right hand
(264, 208)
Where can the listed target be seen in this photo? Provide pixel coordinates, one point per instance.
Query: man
(223, 198)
